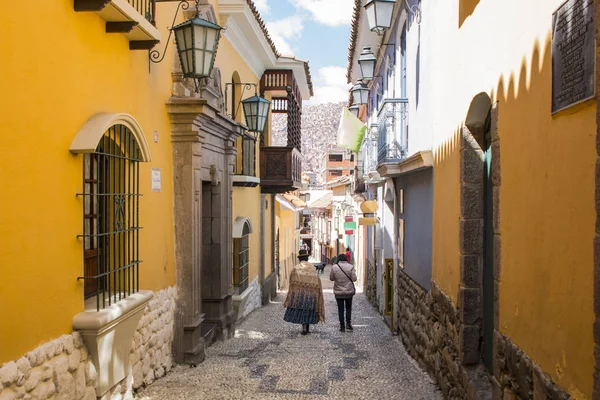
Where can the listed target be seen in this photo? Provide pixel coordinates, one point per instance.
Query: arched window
(111, 215)
(242, 228)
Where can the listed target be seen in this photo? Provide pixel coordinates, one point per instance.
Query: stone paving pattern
(269, 359)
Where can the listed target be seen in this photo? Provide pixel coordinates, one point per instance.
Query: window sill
(108, 335)
(245, 181)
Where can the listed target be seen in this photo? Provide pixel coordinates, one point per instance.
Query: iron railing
(245, 163)
(147, 8)
(392, 135)
(241, 254)
(370, 155)
(111, 218)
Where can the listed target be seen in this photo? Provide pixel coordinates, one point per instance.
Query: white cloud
(284, 32)
(262, 6)
(331, 86)
(328, 12)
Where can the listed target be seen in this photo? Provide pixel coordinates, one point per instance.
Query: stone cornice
(192, 118)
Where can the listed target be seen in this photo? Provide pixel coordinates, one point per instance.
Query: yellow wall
(49, 90)
(288, 243)
(246, 203)
(446, 213)
(547, 162)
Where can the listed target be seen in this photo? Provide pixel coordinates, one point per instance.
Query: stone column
(471, 247)
(217, 240)
(187, 144)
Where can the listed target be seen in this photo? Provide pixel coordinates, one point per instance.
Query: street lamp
(197, 41)
(360, 93)
(366, 62)
(354, 110)
(379, 14)
(256, 112)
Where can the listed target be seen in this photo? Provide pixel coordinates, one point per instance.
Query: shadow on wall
(465, 9)
(534, 280)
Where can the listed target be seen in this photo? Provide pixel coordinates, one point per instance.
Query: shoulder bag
(350, 279)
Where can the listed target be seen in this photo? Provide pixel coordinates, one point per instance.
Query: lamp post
(337, 231)
(360, 93)
(379, 14)
(366, 62)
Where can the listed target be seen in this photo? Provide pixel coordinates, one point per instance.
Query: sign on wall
(572, 54)
(156, 180)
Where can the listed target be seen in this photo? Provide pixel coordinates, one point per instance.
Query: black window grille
(336, 157)
(111, 193)
(241, 258)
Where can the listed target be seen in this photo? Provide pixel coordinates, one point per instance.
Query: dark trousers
(347, 303)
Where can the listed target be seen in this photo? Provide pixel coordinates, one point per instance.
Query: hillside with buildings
(319, 131)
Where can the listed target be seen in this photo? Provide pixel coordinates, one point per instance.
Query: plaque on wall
(572, 54)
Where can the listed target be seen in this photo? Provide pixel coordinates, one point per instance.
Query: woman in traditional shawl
(304, 302)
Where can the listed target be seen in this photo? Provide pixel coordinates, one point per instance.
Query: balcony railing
(245, 163)
(392, 135)
(280, 169)
(145, 7)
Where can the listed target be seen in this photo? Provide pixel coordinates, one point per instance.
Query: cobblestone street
(269, 359)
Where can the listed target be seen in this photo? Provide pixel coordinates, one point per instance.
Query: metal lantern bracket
(155, 56)
(415, 9)
(246, 86)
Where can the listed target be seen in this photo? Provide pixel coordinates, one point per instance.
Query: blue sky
(317, 31)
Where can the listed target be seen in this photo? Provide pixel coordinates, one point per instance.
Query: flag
(351, 131)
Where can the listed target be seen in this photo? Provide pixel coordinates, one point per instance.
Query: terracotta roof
(294, 200)
(262, 25)
(265, 31)
(323, 202)
(339, 181)
(353, 37)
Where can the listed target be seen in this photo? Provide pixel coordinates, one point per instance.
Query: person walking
(304, 302)
(348, 254)
(343, 275)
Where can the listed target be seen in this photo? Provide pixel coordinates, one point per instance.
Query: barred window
(241, 258)
(111, 192)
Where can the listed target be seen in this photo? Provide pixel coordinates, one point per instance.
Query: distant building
(336, 163)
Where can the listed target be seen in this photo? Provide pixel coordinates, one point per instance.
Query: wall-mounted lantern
(256, 112)
(360, 93)
(354, 110)
(256, 108)
(197, 41)
(366, 62)
(379, 14)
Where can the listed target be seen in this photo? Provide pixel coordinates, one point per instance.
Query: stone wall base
(59, 369)
(517, 377)
(371, 282)
(62, 369)
(428, 325)
(151, 354)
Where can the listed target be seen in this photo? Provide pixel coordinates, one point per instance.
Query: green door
(488, 260)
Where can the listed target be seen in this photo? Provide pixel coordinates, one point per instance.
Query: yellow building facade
(508, 186)
(124, 173)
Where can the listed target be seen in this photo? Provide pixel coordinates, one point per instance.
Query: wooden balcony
(134, 19)
(280, 169)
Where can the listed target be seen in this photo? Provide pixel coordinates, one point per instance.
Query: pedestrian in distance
(304, 302)
(348, 254)
(343, 276)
